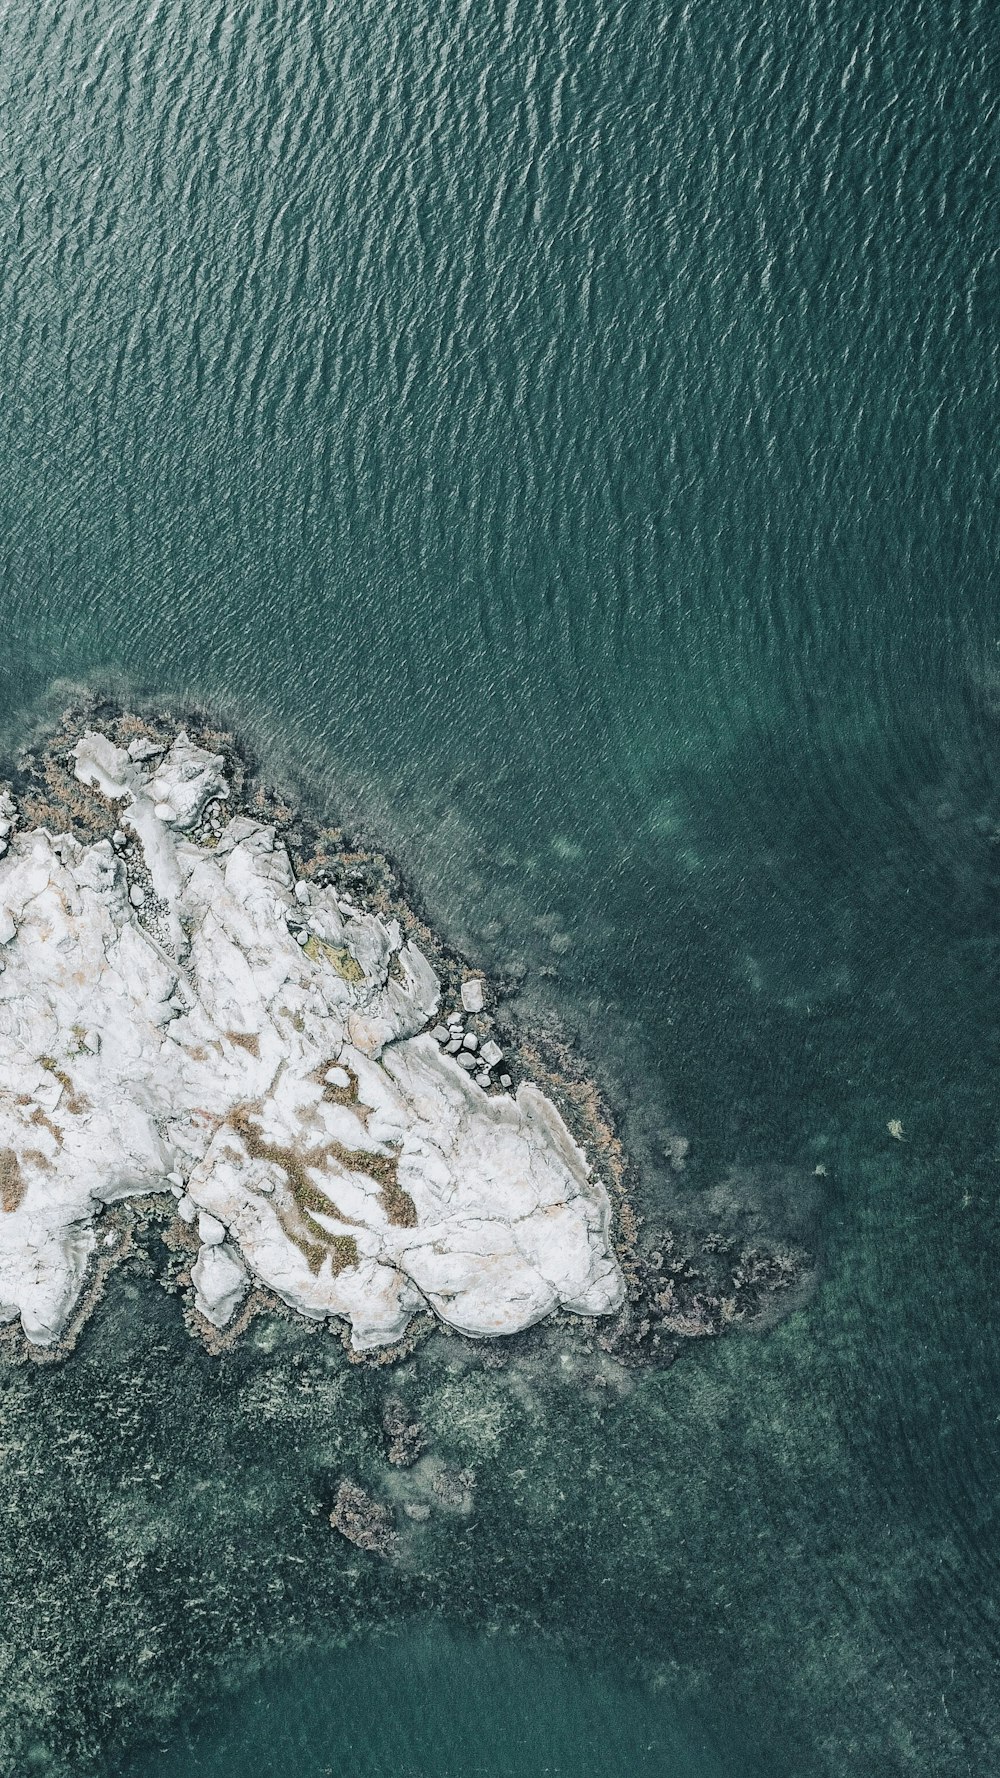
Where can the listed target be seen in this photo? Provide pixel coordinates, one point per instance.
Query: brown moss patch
(297, 1220)
(398, 1205)
(246, 1040)
(319, 950)
(12, 1186)
(309, 1199)
(75, 1102)
(383, 1168)
(44, 1122)
(335, 1095)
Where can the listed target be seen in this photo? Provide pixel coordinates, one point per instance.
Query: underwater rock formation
(363, 1521)
(179, 1014)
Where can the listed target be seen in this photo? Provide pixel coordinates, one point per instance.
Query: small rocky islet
(240, 1074)
(202, 1024)
(181, 1013)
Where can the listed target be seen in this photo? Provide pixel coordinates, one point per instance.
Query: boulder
(220, 1283)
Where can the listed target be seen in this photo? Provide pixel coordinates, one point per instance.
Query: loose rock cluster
(479, 1059)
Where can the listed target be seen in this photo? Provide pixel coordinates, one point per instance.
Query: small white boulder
(211, 1231)
(220, 1283)
(472, 994)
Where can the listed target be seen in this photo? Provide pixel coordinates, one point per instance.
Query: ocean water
(562, 438)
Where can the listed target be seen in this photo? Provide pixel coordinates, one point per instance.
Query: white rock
(187, 779)
(119, 839)
(505, 1081)
(92, 1041)
(483, 1079)
(338, 1077)
(137, 895)
(302, 893)
(467, 1060)
(507, 1222)
(163, 811)
(453, 1048)
(210, 1230)
(220, 1283)
(441, 1034)
(470, 1041)
(104, 766)
(8, 930)
(472, 994)
(491, 1053)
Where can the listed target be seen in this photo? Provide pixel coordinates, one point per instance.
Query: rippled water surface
(562, 438)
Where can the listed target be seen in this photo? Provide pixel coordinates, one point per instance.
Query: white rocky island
(181, 1015)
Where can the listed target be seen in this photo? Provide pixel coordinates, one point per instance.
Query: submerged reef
(183, 1014)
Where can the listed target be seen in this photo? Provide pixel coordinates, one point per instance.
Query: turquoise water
(562, 438)
(380, 1711)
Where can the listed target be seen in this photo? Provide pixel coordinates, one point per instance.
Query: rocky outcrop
(180, 1014)
(404, 1437)
(363, 1521)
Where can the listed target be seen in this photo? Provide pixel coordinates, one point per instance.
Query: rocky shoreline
(664, 1290)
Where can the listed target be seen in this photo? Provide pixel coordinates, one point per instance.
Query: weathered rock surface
(473, 995)
(220, 1281)
(266, 1051)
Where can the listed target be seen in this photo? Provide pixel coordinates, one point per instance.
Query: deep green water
(562, 437)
